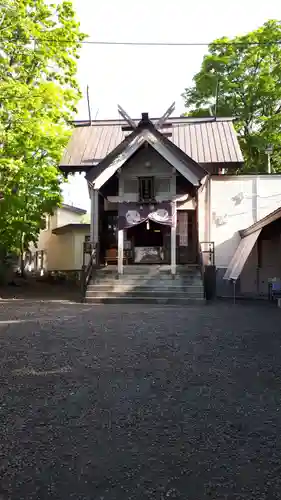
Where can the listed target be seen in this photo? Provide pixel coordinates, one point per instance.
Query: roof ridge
(177, 120)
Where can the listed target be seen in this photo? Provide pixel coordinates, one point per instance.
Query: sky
(149, 79)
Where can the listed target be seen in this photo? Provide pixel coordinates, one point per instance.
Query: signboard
(148, 255)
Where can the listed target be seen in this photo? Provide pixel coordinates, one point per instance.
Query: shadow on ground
(119, 403)
(32, 289)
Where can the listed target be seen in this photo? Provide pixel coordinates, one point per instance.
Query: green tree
(245, 74)
(39, 48)
(86, 219)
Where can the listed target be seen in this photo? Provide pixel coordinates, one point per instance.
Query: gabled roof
(146, 133)
(259, 225)
(249, 237)
(205, 140)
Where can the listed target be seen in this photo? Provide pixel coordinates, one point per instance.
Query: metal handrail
(86, 272)
(206, 248)
(201, 263)
(206, 258)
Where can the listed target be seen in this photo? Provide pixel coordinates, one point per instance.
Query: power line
(144, 44)
(177, 44)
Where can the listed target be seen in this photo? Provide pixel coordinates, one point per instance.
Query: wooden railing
(92, 250)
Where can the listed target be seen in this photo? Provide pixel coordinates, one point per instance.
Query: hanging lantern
(147, 225)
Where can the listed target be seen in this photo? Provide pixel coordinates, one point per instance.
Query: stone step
(126, 299)
(133, 293)
(147, 284)
(148, 289)
(150, 267)
(146, 273)
(150, 277)
(145, 279)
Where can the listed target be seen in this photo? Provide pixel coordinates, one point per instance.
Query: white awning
(241, 255)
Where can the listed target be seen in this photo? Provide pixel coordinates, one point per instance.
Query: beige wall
(66, 251)
(65, 217)
(79, 238)
(60, 254)
(61, 217)
(63, 251)
(237, 203)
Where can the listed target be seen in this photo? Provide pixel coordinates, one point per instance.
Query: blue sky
(151, 78)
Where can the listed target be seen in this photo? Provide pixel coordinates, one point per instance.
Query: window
(146, 188)
(162, 187)
(46, 222)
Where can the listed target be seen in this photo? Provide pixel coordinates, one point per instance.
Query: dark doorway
(148, 242)
(186, 237)
(147, 234)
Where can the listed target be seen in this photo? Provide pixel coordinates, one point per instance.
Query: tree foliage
(86, 219)
(39, 48)
(245, 73)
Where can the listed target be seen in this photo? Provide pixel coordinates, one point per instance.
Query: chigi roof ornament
(166, 115)
(145, 120)
(127, 118)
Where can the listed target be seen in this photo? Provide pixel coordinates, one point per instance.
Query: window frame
(141, 181)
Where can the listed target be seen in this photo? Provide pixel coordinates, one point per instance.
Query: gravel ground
(109, 403)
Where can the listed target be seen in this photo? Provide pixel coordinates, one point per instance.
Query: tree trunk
(22, 263)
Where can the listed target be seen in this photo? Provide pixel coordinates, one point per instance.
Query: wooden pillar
(94, 216)
(173, 189)
(120, 250)
(120, 231)
(173, 239)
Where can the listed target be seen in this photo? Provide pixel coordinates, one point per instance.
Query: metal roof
(73, 209)
(70, 227)
(167, 149)
(205, 140)
(260, 224)
(241, 255)
(249, 237)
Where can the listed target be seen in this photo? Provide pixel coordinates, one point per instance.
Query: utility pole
(89, 104)
(269, 151)
(217, 96)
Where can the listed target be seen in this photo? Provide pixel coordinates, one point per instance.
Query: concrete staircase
(145, 284)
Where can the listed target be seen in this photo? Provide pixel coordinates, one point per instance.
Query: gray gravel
(104, 403)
